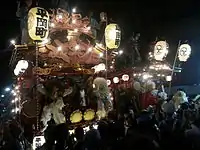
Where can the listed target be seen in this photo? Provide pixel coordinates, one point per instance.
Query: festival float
(58, 69)
(65, 69)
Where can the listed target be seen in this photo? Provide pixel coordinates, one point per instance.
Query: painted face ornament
(184, 52)
(160, 50)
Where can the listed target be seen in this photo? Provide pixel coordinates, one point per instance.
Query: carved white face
(160, 50)
(184, 52)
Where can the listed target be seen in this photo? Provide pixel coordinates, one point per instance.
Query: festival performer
(101, 90)
(147, 98)
(22, 12)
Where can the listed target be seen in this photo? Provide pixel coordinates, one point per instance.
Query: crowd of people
(161, 126)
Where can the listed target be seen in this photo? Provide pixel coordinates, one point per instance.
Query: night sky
(172, 20)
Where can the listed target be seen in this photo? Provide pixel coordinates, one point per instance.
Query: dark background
(172, 20)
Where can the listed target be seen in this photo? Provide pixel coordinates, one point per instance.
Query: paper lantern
(116, 80)
(125, 77)
(89, 115)
(160, 50)
(108, 82)
(22, 64)
(76, 116)
(38, 24)
(184, 52)
(112, 36)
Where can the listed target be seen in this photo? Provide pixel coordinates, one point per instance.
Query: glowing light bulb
(12, 42)
(7, 89)
(100, 54)
(59, 48)
(16, 109)
(90, 49)
(75, 30)
(74, 10)
(88, 28)
(2, 96)
(73, 21)
(77, 47)
(120, 52)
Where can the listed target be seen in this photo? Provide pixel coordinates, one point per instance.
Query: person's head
(103, 128)
(79, 133)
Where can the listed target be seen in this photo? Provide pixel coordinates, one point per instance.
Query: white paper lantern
(160, 50)
(38, 24)
(21, 67)
(23, 64)
(125, 77)
(168, 78)
(116, 80)
(16, 71)
(108, 82)
(184, 52)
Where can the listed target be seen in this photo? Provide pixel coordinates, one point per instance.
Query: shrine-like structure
(57, 75)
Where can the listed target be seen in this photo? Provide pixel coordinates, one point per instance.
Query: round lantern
(184, 52)
(116, 80)
(108, 82)
(89, 115)
(16, 71)
(160, 50)
(112, 36)
(38, 24)
(76, 116)
(23, 64)
(125, 77)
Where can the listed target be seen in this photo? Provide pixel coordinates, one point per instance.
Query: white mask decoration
(184, 52)
(160, 50)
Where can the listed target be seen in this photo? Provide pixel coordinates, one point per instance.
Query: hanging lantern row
(116, 80)
(161, 50)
